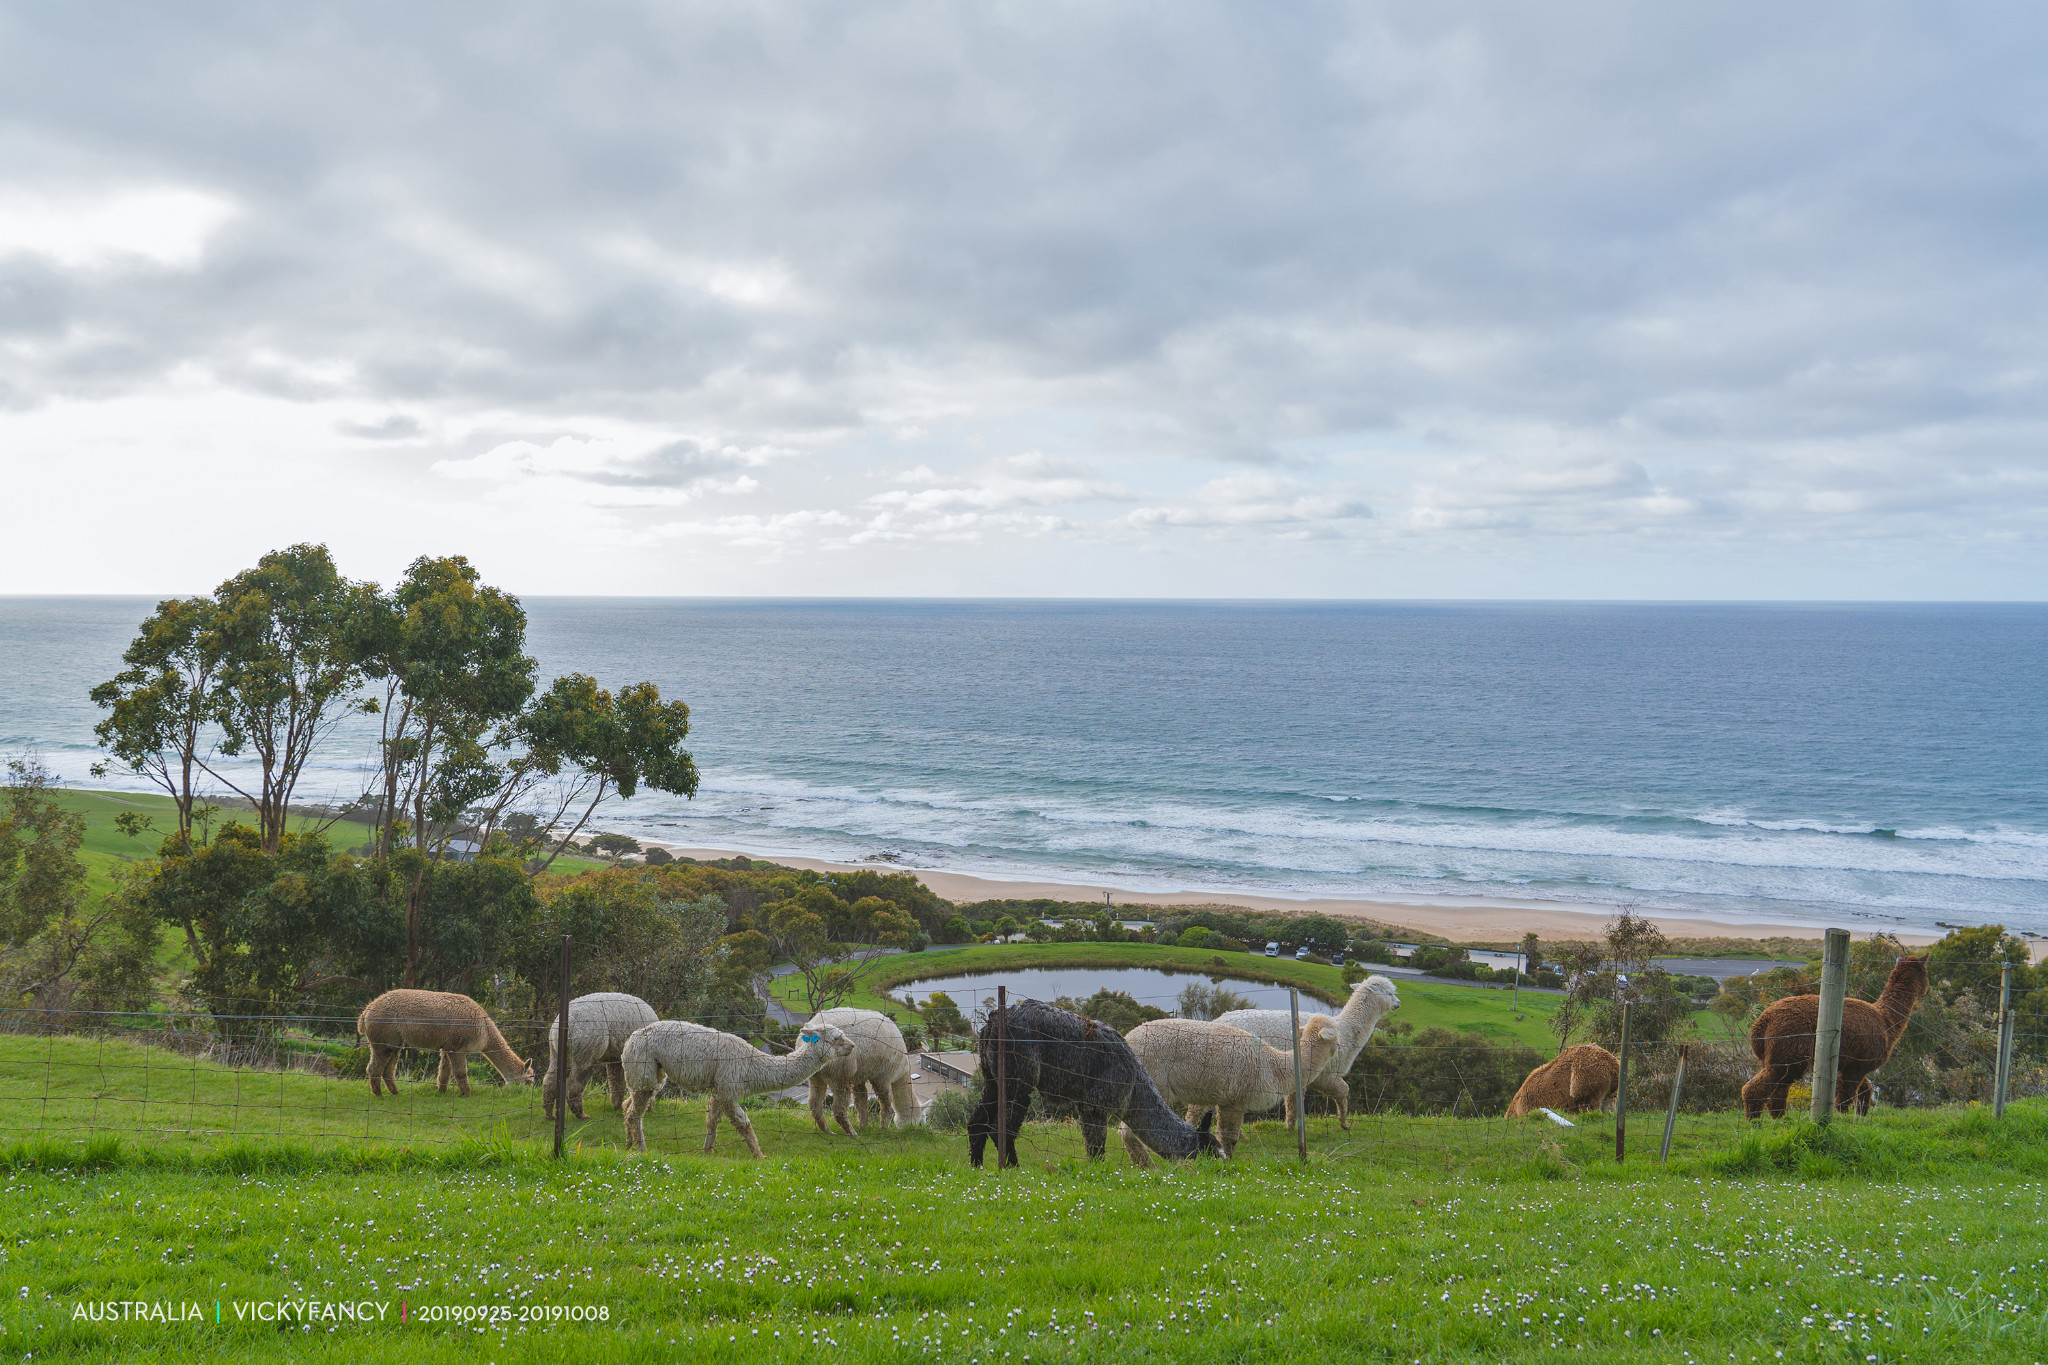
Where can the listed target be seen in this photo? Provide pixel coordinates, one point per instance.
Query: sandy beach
(1454, 919)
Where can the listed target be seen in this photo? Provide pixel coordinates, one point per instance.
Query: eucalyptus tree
(288, 635)
(159, 706)
(450, 653)
(598, 745)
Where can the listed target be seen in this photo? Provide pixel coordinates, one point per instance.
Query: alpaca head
(826, 1035)
(1910, 976)
(1318, 1039)
(1376, 994)
(523, 1076)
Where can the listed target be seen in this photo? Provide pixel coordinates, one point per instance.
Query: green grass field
(1906, 1236)
(1477, 1008)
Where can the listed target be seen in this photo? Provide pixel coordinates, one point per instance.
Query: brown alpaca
(434, 1021)
(1578, 1078)
(1783, 1037)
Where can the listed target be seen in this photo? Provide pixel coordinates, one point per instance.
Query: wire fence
(201, 1078)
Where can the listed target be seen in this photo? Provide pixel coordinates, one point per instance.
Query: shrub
(951, 1108)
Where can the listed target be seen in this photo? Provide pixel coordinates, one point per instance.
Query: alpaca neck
(1895, 1003)
(1362, 1014)
(1157, 1126)
(792, 1067)
(502, 1057)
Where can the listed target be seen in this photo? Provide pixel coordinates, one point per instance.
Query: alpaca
(1205, 1063)
(879, 1060)
(599, 1025)
(1783, 1040)
(1581, 1077)
(453, 1025)
(1084, 1063)
(697, 1058)
(1371, 1001)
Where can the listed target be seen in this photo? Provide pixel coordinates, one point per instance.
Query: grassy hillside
(1908, 1236)
(1423, 1006)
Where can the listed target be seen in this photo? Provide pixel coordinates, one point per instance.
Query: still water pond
(1146, 986)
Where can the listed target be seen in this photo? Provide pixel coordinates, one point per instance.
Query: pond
(1145, 985)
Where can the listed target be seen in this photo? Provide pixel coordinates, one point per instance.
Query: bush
(1440, 1072)
(658, 857)
(951, 1108)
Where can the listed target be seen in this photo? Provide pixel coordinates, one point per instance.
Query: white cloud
(162, 226)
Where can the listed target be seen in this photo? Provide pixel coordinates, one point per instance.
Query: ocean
(1881, 763)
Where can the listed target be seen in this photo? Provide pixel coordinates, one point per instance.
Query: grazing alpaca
(1203, 1063)
(1080, 1062)
(701, 1059)
(599, 1026)
(879, 1059)
(434, 1021)
(1371, 1000)
(1584, 1076)
(1783, 1040)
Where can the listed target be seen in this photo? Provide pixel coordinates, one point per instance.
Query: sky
(1364, 300)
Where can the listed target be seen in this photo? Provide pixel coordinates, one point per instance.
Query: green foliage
(1209, 1000)
(1441, 1072)
(1114, 1008)
(613, 845)
(160, 704)
(942, 1017)
(628, 936)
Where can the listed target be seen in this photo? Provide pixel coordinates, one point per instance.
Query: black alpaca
(1083, 1063)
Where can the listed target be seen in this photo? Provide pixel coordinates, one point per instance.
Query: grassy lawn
(1911, 1235)
(1476, 1008)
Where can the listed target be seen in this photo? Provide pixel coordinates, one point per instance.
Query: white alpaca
(699, 1060)
(599, 1026)
(879, 1059)
(1371, 1000)
(1200, 1063)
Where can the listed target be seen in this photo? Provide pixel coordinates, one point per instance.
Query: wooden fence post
(562, 1061)
(1827, 1041)
(2003, 1079)
(1005, 1152)
(1300, 1104)
(1671, 1114)
(1621, 1095)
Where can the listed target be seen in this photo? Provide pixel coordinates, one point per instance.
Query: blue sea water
(1807, 762)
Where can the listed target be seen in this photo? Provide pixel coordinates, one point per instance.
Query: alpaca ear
(1329, 1035)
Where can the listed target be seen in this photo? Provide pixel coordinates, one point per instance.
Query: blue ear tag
(810, 1037)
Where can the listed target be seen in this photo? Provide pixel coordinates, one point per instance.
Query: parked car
(1337, 961)
(1272, 950)
(1301, 953)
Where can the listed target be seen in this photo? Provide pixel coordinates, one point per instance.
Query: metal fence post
(1827, 1040)
(1671, 1114)
(1300, 1104)
(1005, 1152)
(562, 1059)
(1621, 1095)
(2003, 1074)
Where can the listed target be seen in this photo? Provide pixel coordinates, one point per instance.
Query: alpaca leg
(1014, 1114)
(818, 1095)
(744, 1124)
(1230, 1129)
(446, 1070)
(577, 1080)
(1334, 1089)
(615, 1081)
(391, 1071)
(1865, 1093)
(903, 1110)
(458, 1062)
(981, 1126)
(1094, 1132)
(380, 1056)
(1139, 1156)
(636, 1107)
(710, 1123)
(1756, 1092)
(841, 1097)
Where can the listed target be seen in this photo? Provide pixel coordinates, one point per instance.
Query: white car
(1301, 953)
(1272, 950)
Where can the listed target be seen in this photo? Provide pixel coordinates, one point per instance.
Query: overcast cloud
(1352, 300)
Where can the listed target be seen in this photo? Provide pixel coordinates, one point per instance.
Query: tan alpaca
(879, 1059)
(700, 1060)
(1783, 1038)
(1581, 1077)
(434, 1021)
(1200, 1063)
